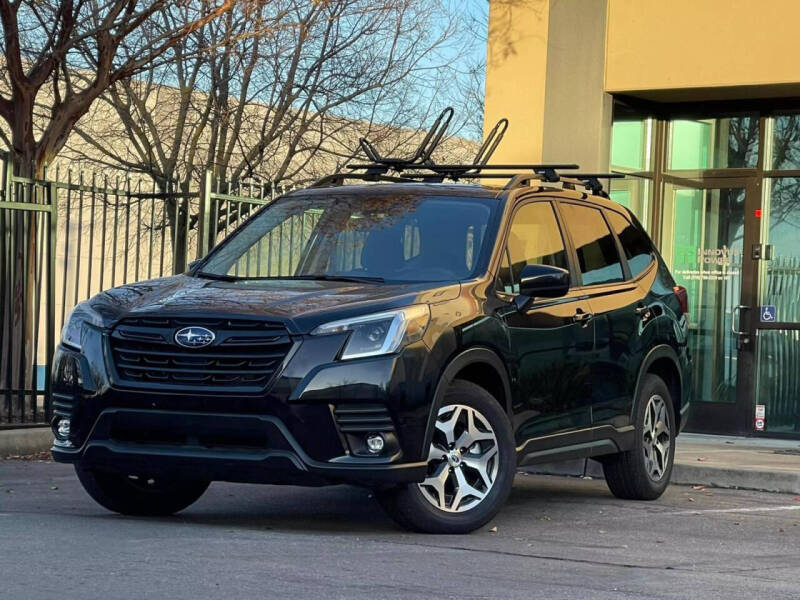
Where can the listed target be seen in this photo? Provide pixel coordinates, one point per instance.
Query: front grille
(363, 418)
(243, 357)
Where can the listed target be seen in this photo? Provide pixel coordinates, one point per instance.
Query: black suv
(421, 338)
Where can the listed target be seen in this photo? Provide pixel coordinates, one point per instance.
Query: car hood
(301, 305)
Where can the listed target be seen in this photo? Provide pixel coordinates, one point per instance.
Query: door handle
(737, 310)
(742, 337)
(582, 317)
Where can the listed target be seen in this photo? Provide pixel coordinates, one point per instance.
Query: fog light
(375, 443)
(62, 430)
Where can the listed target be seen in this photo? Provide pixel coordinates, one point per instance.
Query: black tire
(627, 474)
(140, 496)
(409, 507)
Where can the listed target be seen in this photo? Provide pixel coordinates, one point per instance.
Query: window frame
(621, 250)
(505, 257)
(573, 252)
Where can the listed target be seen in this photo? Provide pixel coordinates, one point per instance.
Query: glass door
(705, 231)
(777, 397)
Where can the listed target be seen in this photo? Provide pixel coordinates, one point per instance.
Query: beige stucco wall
(516, 68)
(554, 64)
(657, 45)
(545, 74)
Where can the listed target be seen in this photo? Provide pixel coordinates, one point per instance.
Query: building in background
(698, 101)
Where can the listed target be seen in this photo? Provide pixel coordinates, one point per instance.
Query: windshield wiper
(217, 276)
(353, 278)
(322, 277)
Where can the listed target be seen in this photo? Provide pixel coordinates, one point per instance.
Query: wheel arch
(662, 361)
(479, 365)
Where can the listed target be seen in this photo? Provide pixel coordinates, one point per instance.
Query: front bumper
(211, 446)
(306, 428)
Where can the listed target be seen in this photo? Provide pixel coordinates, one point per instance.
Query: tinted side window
(634, 243)
(534, 239)
(597, 252)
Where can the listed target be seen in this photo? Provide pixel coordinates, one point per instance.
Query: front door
(552, 340)
(710, 231)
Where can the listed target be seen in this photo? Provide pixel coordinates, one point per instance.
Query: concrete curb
(744, 479)
(785, 482)
(25, 441)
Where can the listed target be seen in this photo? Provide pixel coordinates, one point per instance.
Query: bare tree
(283, 90)
(64, 54)
(324, 74)
(47, 43)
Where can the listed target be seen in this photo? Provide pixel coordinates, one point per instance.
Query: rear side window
(534, 239)
(634, 243)
(597, 252)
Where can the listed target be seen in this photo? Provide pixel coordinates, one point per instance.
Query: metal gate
(65, 240)
(28, 221)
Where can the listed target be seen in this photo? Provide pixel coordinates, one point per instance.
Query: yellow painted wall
(515, 76)
(663, 44)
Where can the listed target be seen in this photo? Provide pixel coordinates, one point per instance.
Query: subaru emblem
(194, 337)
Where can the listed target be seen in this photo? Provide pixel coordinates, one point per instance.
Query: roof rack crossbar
(591, 181)
(338, 179)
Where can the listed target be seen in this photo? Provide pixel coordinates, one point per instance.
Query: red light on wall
(758, 213)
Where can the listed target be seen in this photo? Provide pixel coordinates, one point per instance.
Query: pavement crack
(586, 561)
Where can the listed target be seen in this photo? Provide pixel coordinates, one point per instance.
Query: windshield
(407, 238)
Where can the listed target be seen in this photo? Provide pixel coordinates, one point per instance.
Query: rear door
(613, 278)
(552, 340)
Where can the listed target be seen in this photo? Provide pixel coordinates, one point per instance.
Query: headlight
(71, 333)
(380, 333)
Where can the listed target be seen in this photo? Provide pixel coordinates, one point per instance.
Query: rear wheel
(141, 495)
(643, 472)
(471, 466)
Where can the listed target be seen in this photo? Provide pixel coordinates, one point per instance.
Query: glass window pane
(636, 246)
(597, 252)
(630, 145)
(778, 356)
(635, 194)
(534, 239)
(782, 274)
(714, 143)
(777, 384)
(785, 146)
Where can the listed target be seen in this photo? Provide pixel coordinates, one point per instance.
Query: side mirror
(541, 281)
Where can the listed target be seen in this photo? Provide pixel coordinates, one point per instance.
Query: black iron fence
(71, 235)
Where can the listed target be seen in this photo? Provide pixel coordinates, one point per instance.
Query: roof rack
(419, 167)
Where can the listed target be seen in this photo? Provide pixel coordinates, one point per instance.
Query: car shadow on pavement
(347, 509)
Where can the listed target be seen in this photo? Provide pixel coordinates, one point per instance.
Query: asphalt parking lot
(557, 538)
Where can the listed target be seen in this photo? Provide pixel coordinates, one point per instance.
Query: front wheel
(471, 466)
(643, 472)
(140, 495)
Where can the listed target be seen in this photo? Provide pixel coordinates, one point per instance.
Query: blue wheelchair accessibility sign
(767, 313)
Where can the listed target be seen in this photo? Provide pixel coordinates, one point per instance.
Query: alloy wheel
(656, 437)
(462, 461)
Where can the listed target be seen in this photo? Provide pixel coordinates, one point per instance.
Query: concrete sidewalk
(713, 460)
(737, 462)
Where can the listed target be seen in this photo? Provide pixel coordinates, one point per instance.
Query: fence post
(8, 176)
(52, 239)
(205, 215)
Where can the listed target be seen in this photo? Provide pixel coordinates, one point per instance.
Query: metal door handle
(582, 317)
(737, 310)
